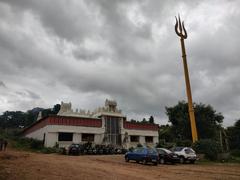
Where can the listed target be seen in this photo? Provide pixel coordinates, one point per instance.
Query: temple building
(105, 125)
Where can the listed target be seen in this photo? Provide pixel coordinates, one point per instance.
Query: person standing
(1, 144)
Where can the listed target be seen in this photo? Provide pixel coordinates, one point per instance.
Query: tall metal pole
(182, 33)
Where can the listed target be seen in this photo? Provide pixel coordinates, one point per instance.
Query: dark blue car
(142, 154)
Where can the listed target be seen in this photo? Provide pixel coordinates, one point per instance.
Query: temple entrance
(112, 131)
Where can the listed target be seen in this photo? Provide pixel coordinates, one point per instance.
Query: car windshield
(138, 150)
(151, 150)
(167, 151)
(177, 148)
(189, 150)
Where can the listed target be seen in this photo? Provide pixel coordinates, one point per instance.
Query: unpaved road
(22, 165)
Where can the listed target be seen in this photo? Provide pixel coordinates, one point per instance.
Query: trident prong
(182, 31)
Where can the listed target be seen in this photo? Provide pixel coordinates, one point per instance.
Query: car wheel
(155, 164)
(126, 159)
(161, 161)
(144, 161)
(182, 160)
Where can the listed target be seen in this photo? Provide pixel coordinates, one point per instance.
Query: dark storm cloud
(63, 18)
(2, 84)
(28, 94)
(86, 51)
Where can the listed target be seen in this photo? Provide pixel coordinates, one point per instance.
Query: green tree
(166, 133)
(56, 108)
(208, 121)
(49, 111)
(12, 119)
(209, 147)
(151, 120)
(233, 134)
(144, 120)
(19, 119)
(133, 120)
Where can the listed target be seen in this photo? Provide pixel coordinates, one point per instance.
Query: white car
(185, 154)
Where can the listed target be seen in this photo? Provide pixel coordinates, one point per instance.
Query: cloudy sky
(86, 51)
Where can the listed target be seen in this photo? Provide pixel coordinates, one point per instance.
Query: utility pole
(182, 33)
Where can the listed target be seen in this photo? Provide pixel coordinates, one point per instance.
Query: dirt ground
(25, 165)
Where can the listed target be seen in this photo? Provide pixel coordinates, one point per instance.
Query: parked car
(167, 156)
(74, 149)
(185, 154)
(142, 154)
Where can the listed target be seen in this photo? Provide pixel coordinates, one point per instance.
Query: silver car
(185, 154)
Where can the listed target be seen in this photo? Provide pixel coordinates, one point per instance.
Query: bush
(235, 152)
(209, 147)
(30, 144)
(36, 144)
(27, 143)
(21, 143)
(131, 149)
(62, 151)
(139, 145)
(49, 150)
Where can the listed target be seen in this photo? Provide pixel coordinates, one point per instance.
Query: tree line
(144, 120)
(208, 122)
(19, 119)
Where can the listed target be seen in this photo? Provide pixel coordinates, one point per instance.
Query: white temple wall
(142, 134)
(37, 134)
(51, 135)
(51, 139)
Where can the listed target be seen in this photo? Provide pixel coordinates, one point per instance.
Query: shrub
(21, 143)
(49, 150)
(139, 145)
(209, 147)
(235, 152)
(27, 143)
(36, 144)
(131, 149)
(62, 150)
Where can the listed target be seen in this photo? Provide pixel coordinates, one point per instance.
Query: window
(160, 151)
(151, 151)
(167, 151)
(177, 149)
(188, 151)
(134, 138)
(148, 139)
(88, 137)
(136, 150)
(65, 136)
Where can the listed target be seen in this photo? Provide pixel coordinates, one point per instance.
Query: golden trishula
(182, 33)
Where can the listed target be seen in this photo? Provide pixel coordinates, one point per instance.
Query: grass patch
(231, 160)
(234, 159)
(205, 161)
(16, 141)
